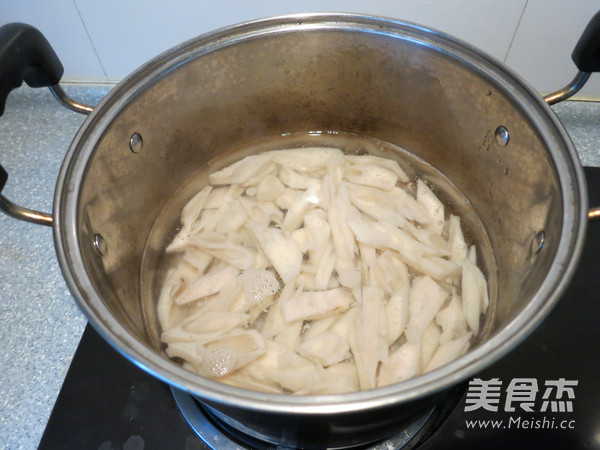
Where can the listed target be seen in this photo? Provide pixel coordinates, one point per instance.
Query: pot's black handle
(586, 54)
(26, 55)
(3, 177)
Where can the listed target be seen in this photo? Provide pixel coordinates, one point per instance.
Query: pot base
(219, 435)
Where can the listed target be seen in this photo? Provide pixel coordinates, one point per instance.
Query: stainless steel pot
(450, 104)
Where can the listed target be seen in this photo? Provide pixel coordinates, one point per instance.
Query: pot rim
(565, 158)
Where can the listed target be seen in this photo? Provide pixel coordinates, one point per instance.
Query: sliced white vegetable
(366, 342)
(242, 379)
(338, 215)
(408, 206)
(190, 214)
(326, 348)
(229, 352)
(343, 237)
(371, 175)
(397, 315)
(269, 188)
(385, 235)
(207, 222)
(262, 213)
(266, 363)
(474, 295)
(390, 273)
(433, 206)
(452, 319)
(169, 313)
(434, 266)
(275, 321)
(303, 238)
(333, 178)
(231, 298)
(294, 180)
(306, 280)
(430, 343)
(257, 310)
(290, 336)
(315, 223)
(368, 256)
(346, 376)
(294, 217)
(192, 210)
(180, 334)
(197, 258)
(189, 351)
(348, 274)
(449, 351)
(293, 371)
(425, 299)
(222, 195)
(316, 327)
(420, 257)
(389, 164)
(217, 322)
(401, 365)
(259, 284)
(431, 239)
(209, 304)
(207, 285)
(242, 170)
(376, 204)
(306, 159)
(217, 245)
(297, 374)
(345, 325)
(325, 267)
(251, 376)
(253, 181)
(282, 250)
(233, 217)
(287, 197)
(316, 304)
(456, 241)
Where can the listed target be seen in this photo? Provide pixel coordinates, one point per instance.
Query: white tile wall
(59, 21)
(126, 34)
(104, 40)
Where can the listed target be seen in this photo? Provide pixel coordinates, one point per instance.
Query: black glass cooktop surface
(544, 394)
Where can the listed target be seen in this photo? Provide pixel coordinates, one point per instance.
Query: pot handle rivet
(99, 244)
(136, 142)
(502, 136)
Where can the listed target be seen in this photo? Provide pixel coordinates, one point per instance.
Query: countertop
(40, 325)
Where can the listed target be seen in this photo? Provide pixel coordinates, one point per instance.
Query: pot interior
(458, 110)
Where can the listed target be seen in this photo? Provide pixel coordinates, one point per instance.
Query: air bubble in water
(259, 283)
